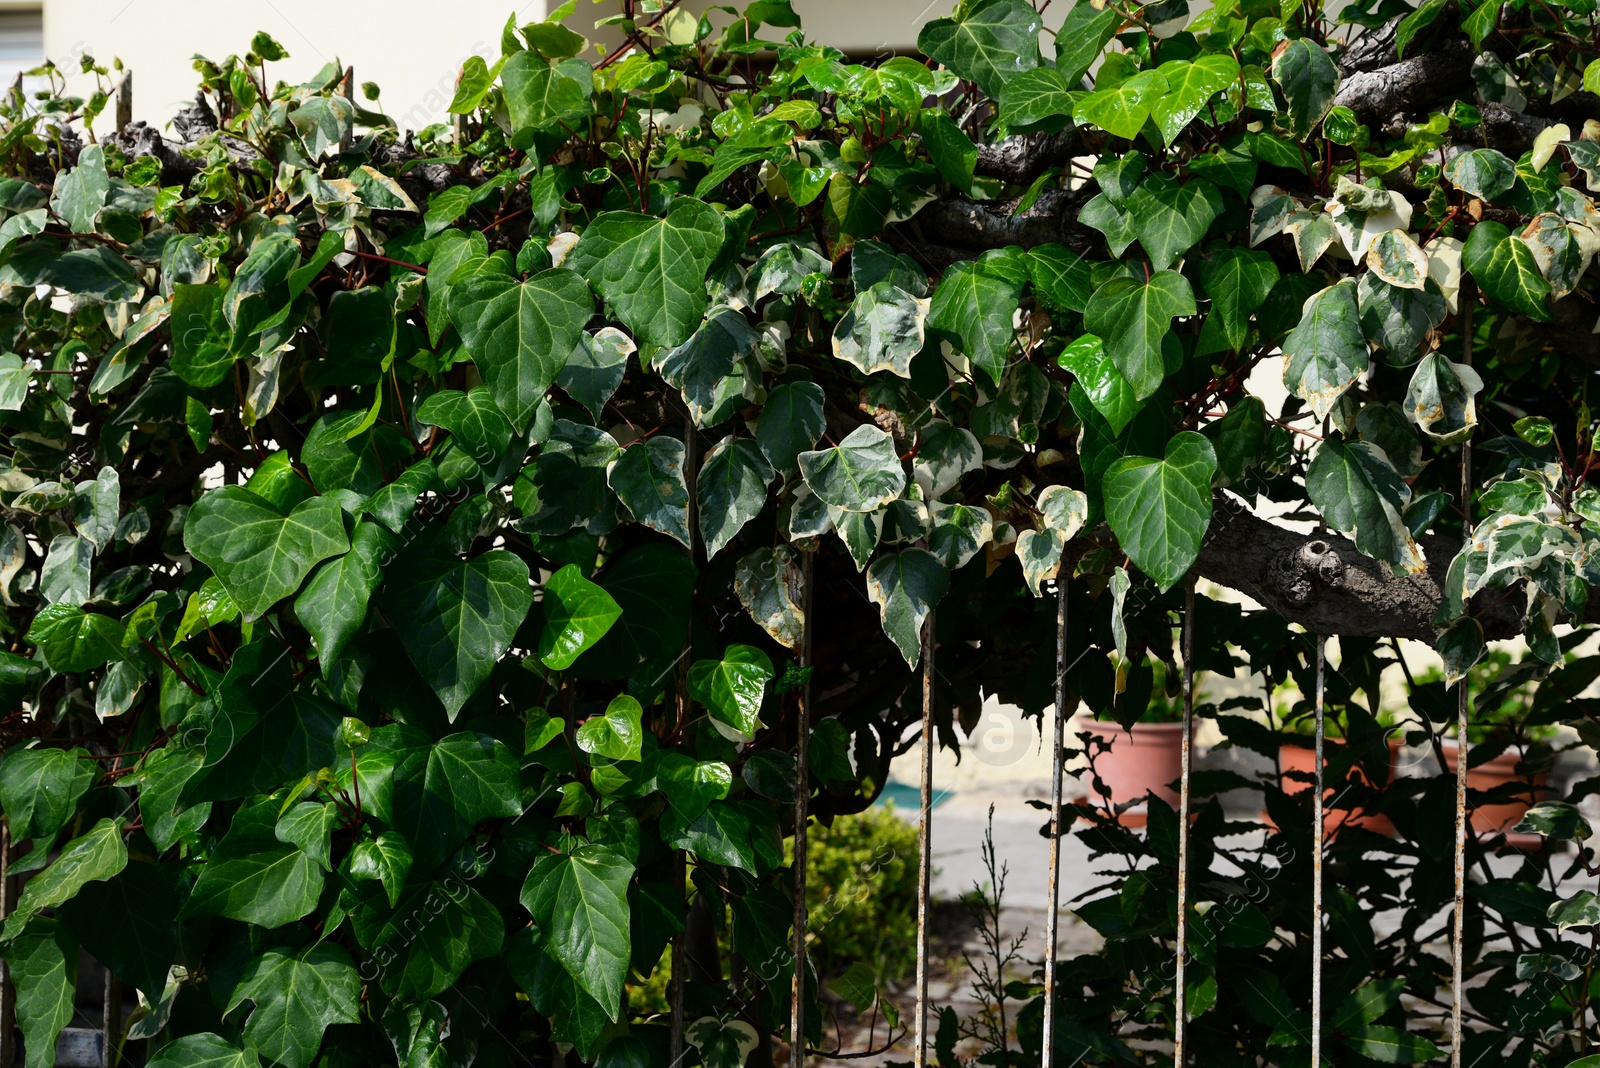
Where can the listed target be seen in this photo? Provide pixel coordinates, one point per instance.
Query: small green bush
(861, 893)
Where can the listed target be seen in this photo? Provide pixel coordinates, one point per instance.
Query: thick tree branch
(957, 223)
(1324, 583)
(1411, 84)
(1023, 158)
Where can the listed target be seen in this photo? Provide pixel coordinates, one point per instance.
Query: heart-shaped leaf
(456, 617)
(652, 271)
(906, 586)
(615, 734)
(988, 44)
(1134, 321)
(260, 553)
(860, 474)
(1160, 509)
(520, 333)
(731, 489)
(648, 479)
(732, 689)
(1326, 352)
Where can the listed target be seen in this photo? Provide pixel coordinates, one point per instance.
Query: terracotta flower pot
(1147, 760)
(1491, 819)
(1303, 759)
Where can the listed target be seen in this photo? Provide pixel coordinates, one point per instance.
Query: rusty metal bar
(111, 1020)
(1054, 893)
(924, 846)
(802, 787)
(1467, 297)
(125, 101)
(1179, 1006)
(1316, 862)
(680, 963)
(347, 139)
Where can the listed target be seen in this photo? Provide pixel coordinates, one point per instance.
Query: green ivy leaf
(333, 605)
(1358, 491)
(988, 44)
(74, 640)
(731, 490)
(1189, 87)
(386, 858)
(420, 961)
(1123, 110)
(297, 997)
(950, 149)
(1485, 173)
(1326, 352)
(1061, 278)
(652, 271)
(976, 303)
(1237, 281)
(40, 789)
(1160, 510)
(541, 96)
(577, 613)
(455, 617)
(906, 586)
(1395, 319)
(201, 352)
(1506, 269)
(43, 965)
(473, 419)
(648, 479)
(259, 552)
(791, 422)
(204, 1050)
(1104, 385)
(1134, 321)
(860, 474)
(97, 855)
(1171, 218)
(580, 902)
(617, 733)
(732, 689)
(520, 333)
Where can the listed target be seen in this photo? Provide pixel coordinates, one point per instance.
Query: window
(21, 42)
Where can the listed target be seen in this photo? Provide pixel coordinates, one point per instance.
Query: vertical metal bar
(125, 101)
(802, 787)
(1467, 296)
(1316, 867)
(925, 845)
(348, 138)
(1054, 892)
(111, 1020)
(680, 964)
(1180, 1009)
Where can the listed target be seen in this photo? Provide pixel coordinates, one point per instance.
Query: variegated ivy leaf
(713, 368)
(1398, 260)
(730, 491)
(1522, 496)
(1460, 646)
(770, 585)
(808, 516)
(959, 531)
(1119, 585)
(1063, 511)
(945, 453)
(905, 586)
(872, 262)
(859, 531)
(1586, 157)
(1270, 208)
(1358, 492)
(1307, 76)
(1483, 172)
(860, 474)
(596, 367)
(1520, 541)
(884, 328)
(1562, 251)
(648, 479)
(1359, 227)
(1440, 399)
(1312, 233)
(1326, 352)
(1039, 553)
(723, 1043)
(1397, 320)
(781, 268)
(904, 521)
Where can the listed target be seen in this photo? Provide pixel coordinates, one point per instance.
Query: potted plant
(1511, 764)
(1365, 757)
(1137, 754)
